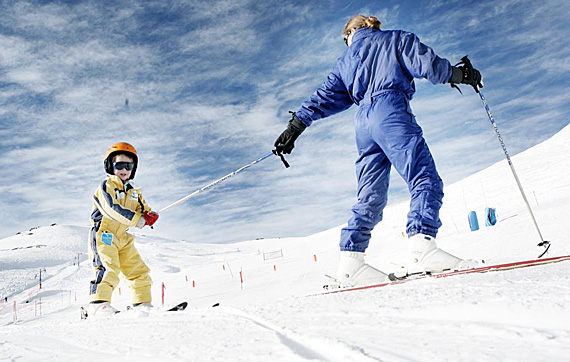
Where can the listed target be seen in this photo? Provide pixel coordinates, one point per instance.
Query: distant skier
(377, 73)
(118, 205)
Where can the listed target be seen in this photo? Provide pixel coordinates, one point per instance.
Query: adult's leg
(373, 174)
(399, 135)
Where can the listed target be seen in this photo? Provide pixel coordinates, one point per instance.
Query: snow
(278, 314)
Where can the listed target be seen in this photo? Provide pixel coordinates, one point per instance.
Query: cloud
(209, 85)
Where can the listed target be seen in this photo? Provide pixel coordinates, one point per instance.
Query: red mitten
(150, 218)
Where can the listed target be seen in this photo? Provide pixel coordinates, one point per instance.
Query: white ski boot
(425, 257)
(143, 306)
(353, 271)
(142, 309)
(98, 310)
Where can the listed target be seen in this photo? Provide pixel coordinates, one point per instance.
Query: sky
(203, 88)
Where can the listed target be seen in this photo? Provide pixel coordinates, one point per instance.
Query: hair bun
(373, 22)
(361, 21)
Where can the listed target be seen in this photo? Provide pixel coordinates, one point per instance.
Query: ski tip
(216, 305)
(83, 313)
(179, 307)
(331, 283)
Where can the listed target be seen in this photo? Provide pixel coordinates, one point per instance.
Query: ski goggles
(123, 166)
(345, 38)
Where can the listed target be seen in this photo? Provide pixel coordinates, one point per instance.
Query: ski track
(305, 346)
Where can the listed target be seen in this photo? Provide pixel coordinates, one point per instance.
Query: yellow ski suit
(117, 206)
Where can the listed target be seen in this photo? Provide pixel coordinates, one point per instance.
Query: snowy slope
(519, 315)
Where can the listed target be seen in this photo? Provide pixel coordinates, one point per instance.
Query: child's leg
(104, 257)
(136, 272)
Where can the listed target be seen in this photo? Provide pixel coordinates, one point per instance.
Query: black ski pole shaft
(543, 243)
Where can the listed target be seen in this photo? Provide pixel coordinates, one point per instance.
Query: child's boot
(100, 309)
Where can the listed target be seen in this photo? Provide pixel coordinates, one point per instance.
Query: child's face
(123, 174)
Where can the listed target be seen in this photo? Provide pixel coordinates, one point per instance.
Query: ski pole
(210, 185)
(544, 243)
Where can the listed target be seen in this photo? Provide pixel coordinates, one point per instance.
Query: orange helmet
(117, 149)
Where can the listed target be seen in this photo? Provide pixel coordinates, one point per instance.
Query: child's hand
(150, 218)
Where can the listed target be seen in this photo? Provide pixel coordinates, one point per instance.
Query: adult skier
(377, 73)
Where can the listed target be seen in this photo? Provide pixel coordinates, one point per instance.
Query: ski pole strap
(284, 161)
(453, 85)
(282, 158)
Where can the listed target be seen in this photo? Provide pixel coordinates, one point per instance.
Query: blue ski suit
(377, 73)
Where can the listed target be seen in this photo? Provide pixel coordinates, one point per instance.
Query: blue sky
(209, 84)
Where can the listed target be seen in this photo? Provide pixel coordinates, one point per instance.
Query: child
(118, 205)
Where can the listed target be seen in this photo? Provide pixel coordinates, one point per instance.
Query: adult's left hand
(286, 141)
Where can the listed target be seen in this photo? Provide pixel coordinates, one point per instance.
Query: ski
(332, 287)
(177, 308)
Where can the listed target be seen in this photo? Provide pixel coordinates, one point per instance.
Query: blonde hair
(361, 21)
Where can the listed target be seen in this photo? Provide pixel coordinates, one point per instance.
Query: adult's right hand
(286, 141)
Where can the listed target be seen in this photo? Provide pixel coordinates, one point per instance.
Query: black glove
(286, 141)
(464, 73)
